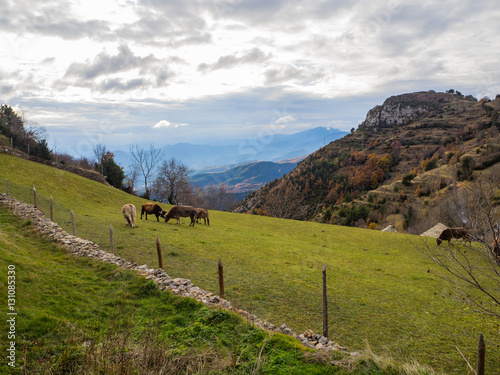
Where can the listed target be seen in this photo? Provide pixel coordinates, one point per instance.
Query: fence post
(34, 196)
(481, 355)
(73, 222)
(111, 239)
(6, 187)
(158, 250)
(51, 209)
(325, 305)
(221, 279)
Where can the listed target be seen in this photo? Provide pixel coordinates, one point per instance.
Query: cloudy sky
(143, 71)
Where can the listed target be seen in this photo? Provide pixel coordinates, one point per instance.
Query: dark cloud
(253, 56)
(48, 18)
(301, 74)
(152, 72)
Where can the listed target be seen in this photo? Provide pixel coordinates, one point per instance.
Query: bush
(407, 179)
(432, 164)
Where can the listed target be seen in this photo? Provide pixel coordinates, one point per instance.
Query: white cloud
(167, 124)
(286, 119)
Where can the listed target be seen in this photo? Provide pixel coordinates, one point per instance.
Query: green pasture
(81, 316)
(380, 288)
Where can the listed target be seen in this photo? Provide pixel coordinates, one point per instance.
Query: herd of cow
(195, 214)
(176, 212)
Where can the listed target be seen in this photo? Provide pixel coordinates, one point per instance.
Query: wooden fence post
(325, 305)
(481, 354)
(111, 239)
(34, 196)
(73, 222)
(51, 209)
(221, 279)
(6, 187)
(158, 250)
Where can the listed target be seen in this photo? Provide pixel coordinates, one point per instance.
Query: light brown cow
(177, 212)
(129, 212)
(202, 213)
(454, 233)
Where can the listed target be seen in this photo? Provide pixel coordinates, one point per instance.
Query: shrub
(407, 179)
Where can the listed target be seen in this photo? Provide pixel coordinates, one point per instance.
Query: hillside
(428, 139)
(82, 316)
(380, 289)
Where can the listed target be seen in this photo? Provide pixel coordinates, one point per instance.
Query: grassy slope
(64, 301)
(379, 287)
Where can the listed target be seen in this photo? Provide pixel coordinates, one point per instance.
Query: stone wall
(178, 286)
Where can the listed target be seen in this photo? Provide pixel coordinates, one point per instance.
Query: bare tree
(145, 161)
(474, 269)
(285, 201)
(99, 152)
(172, 184)
(129, 181)
(218, 197)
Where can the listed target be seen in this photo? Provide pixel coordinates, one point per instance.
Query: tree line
(22, 134)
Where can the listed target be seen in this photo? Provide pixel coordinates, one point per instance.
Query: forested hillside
(409, 151)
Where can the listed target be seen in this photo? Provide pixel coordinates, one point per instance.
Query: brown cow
(152, 209)
(202, 213)
(129, 212)
(454, 233)
(177, 212)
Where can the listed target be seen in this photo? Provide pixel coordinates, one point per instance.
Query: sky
(129, 72)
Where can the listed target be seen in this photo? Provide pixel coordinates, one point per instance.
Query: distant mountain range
(245, 178)
(269, 148)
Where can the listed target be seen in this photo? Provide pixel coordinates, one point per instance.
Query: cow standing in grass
(129, 213)
(454, 233)
(202, 213)
(177, 212)
(152, 209)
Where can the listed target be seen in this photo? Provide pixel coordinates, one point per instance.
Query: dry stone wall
(178, 286)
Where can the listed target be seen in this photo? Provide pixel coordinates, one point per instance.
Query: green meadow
(381, 290)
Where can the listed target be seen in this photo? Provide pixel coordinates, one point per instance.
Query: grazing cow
(152, 209)
(129, 212)
(202, 213)
(177, 212)
(454, 233)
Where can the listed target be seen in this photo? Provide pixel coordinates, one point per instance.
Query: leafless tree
(99, 152)
(285, 201)
(474, 269)
(145, 161)
(129, 181)
(218, 197)
(172, 184)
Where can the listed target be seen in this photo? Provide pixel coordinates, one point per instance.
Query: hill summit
(407, 152)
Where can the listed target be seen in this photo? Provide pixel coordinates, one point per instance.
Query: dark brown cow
(129, 212)
(177, 212)
(152, 209)
(202, 213)
(454, 233)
